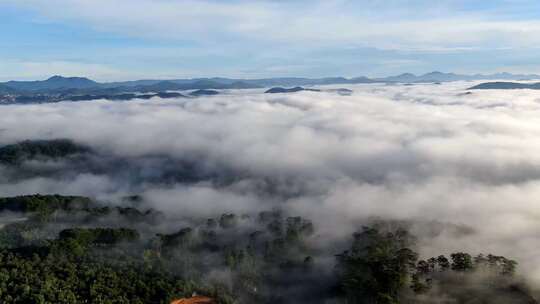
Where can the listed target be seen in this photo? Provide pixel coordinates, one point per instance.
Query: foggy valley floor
(423, 193)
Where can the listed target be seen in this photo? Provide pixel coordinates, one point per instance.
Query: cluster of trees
(44, 204)
(108, 236)
(427, 271)
(22, 161)
(265, 258)
(264, 254)
(377, 266)
(15, 154)
(53, 279)
(58, 207)
(380, 267)
(258, 251)
(90, 265)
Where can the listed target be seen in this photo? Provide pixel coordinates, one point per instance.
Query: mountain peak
(56, 77)
(436, 73)
(62, 78)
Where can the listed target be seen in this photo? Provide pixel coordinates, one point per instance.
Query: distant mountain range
(6, 90)
(59, 88)
(291, 90)
(81, 85)
(53, 83)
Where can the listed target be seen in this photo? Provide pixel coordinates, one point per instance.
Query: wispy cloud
(226, 38)
(313, 23)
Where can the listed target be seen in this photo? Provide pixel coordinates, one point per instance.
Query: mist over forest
(420, 193)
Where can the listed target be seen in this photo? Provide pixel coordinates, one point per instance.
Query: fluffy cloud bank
(464, 169)
(445, 25)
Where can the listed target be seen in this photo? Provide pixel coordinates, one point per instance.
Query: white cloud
(423, 153)
(322, 23)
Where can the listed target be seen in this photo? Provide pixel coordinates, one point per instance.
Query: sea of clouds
(463, 169)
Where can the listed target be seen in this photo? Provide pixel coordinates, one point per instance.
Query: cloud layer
(466, 164)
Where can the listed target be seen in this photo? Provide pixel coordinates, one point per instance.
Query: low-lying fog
(463, 167)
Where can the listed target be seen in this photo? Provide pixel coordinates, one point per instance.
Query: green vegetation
(17, 153)
(71, 249)
(380, 268)
(107, 236)
(44, 203)
(52, 279)
(377, 266)
(47, 207)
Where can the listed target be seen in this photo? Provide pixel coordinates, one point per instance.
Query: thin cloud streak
(319, 24)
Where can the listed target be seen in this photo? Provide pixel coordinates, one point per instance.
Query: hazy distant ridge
(60, 84)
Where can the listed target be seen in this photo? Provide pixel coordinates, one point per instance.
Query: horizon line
(276, 77)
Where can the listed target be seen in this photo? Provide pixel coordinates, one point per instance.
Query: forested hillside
(68, 249)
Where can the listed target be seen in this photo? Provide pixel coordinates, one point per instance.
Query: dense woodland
(72, 249)
(49, 258)
(15, 154)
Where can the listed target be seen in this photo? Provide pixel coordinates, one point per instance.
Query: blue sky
(133, 39)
